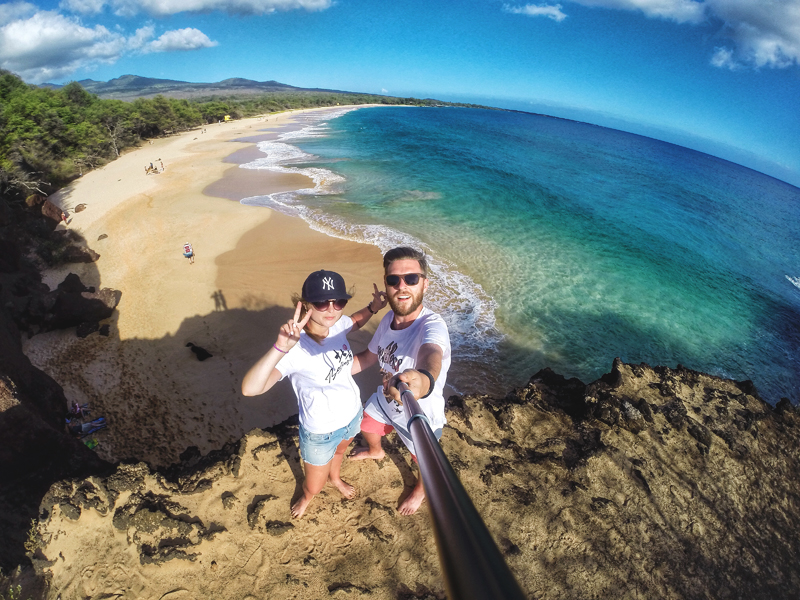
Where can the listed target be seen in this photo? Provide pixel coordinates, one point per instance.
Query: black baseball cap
(324, 285)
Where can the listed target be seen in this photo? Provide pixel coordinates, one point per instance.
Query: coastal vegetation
(49, 136)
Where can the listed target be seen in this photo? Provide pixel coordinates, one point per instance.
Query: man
(411, 345)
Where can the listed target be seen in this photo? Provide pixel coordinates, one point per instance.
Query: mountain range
(129, 87)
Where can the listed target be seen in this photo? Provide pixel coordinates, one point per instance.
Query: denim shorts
(318, 448)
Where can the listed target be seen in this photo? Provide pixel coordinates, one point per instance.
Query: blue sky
(720, 76)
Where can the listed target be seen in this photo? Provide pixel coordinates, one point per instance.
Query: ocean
(561, 244)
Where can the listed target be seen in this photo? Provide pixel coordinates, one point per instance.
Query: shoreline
(157, 397)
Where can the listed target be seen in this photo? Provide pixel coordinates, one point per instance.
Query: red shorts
(370, 425)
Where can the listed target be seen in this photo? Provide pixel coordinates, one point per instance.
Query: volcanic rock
(79, 254)
(649, 482)
(51, 212)
(86, 328)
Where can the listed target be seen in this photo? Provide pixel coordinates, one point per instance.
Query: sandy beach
(157, 397)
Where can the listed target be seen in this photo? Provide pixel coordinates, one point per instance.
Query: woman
(319, 369)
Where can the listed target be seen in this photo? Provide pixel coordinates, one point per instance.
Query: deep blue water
(562, 244)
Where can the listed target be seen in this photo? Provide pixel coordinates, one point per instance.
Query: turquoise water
(562, 244)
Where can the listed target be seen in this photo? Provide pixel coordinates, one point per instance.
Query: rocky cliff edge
(650, 482)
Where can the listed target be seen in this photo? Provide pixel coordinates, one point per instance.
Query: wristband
(424, 372)
(279, 350)
(369, 308)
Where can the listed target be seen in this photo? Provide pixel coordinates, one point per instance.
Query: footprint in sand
(246, 552)
(343, 540)
(307, 544)
(302, 547)
(353, 520)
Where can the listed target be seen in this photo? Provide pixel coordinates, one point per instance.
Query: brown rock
(78, 254)
(51, 212)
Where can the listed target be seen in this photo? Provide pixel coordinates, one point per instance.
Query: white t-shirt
(320, 374)
(397, 351)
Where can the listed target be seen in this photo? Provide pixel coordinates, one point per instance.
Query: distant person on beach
(411, 345)
(188, 252)
(313, 352)
(64, 218)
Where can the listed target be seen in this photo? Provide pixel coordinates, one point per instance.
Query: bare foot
(299, 507)
(361, 453)
(347, 490)
(413, 502)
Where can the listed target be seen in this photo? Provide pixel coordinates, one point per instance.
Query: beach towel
(81, 430)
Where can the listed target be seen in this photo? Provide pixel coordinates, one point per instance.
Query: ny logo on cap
(327, 283)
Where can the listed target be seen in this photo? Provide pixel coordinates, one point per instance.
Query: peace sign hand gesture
(289, 333)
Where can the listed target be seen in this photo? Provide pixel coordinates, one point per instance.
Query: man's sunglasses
(409, 278)
(323, 306)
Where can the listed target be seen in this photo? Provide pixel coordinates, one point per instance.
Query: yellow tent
(228, 118)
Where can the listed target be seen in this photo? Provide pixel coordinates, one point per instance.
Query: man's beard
(416, 301)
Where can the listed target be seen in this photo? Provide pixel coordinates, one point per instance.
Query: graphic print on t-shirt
(337, 360)
(386, 356)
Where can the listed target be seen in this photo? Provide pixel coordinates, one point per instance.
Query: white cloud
(537, 10)
(48, 46)
(384, 91)
(681, 11)
(760, 33)
(128, 8)
(180, 40)
(142, 36)
(87, 7)
(15, 11)
(764, 33)
(723, 58)
(160, 8)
